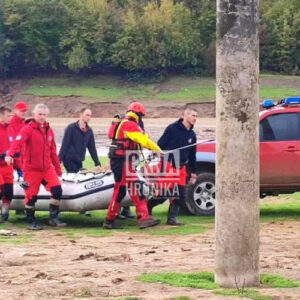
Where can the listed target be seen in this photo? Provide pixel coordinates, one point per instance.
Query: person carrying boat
(126, 135)
(40, 164)
(6, 171)
(16, 124)
(178, 135)
(77, 138)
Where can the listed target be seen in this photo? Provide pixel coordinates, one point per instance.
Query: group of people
(28, 146)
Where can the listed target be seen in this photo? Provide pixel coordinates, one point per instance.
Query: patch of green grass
(277, 93)
(128, 298)
(17, 239)
(65, 91)
(289, 210)
(205, 280)
(199, 93)
(79, 225)
(89, 163)
(182, 88)
(201, 280)
(84, 292)
(296, 196)
(277, 281)
(277, 76)
(246, 293)
(208, 93)
(98, 87)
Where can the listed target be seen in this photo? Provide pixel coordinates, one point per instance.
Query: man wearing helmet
(127, 135)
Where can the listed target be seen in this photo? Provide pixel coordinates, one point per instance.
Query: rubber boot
(126, 212)
(148, 223)
(173, 213)
(33, 225)
(110, 224)
(120, 216)
(54, 220)
(152, 202)
(4, 215)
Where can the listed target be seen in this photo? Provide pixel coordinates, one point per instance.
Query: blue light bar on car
(268, 103)
(292, 100)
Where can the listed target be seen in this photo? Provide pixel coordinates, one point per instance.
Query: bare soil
(205, 129)
(53, 266)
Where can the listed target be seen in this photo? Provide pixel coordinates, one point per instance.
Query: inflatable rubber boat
(81, 192)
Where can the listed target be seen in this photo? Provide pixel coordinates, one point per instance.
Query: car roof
(279, 110)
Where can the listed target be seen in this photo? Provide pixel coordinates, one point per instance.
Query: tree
(94, 28)
(163, 36)
(280, 42)
(33, 31)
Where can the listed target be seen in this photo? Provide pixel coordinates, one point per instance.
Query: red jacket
(14, 127)
(40, 148)
(4, 142)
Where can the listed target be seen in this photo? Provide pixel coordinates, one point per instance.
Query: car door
(280, 150)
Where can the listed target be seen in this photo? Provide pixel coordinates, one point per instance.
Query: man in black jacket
(78, 136)
(177, 135)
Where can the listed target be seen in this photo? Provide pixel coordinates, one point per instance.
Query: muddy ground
(54, 266)
(204, 128)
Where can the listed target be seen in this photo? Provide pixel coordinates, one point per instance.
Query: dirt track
(205, 129)
(53, 266)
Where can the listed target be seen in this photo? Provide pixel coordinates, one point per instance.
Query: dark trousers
(72, 166)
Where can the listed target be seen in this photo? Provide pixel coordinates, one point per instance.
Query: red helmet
(137, 107)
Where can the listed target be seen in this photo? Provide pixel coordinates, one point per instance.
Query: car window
(280, 127)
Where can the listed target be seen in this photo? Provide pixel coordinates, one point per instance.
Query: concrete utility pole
(237, 169)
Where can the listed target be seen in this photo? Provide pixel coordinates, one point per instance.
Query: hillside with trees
(135, 36)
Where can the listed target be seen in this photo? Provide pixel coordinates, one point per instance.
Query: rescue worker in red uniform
(6, 171)
(16, 124)
(128, 135)
(40, 164)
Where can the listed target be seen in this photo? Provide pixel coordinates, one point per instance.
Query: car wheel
(200, 197)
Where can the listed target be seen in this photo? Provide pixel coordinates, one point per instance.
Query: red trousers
(6, 178)
(123, 182)
(35, 179)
